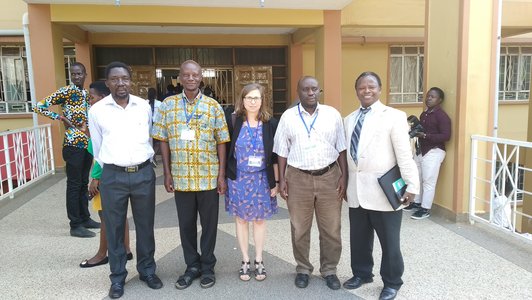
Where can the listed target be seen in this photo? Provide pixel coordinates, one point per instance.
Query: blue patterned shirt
(75, 105)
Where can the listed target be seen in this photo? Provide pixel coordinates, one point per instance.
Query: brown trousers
(308, 194)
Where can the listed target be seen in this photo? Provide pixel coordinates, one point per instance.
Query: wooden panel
(254, 74)
(143, 77)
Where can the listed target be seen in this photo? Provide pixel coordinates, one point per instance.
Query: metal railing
(497, 184)
(26, 155)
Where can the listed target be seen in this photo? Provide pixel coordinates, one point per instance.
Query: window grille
(514, 73)
(406, 74)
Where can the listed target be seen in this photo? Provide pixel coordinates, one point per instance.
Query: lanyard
(253, 136)
(187, 116)
(303, 120)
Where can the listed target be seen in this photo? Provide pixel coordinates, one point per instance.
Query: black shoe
(421, 214)
(186, 279)
(207, 281)
(332, 282)
(90, 223)
(412, 206)
(152, 280)
(116, 290)
(81, 232)
(355, 282)
(86, 264)
(388, 293)
(301, 280)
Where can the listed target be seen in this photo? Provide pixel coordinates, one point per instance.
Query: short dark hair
(78, 64)
(305, 78)
(439, 91)
(366, 74)
(116, 64)
(100, 87)
(152, 94)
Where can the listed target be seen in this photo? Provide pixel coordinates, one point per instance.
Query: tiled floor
(39, 260)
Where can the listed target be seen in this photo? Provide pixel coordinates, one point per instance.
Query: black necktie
(355, 137)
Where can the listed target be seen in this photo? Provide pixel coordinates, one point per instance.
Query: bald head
(190, 62)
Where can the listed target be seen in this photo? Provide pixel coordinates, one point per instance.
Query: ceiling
(281, 4)
(277, 4)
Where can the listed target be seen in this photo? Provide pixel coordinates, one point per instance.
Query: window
(15, 94)
(14, 86)
(406, 74)
(514, 73)
(69, 58)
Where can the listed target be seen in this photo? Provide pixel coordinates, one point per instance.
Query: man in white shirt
(311, 148)
(120, 131)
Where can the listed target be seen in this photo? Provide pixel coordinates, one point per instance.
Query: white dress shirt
(121, 136)
(317, 149)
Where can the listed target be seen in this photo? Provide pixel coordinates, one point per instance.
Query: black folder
(393, 186)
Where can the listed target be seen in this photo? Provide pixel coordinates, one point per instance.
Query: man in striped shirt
(310, 144)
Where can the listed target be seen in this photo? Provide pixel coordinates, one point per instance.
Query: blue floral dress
(248, 197)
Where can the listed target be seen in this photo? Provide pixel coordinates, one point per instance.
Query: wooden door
(254, 74)
(142, 78)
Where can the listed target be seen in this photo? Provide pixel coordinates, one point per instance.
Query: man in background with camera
(432, 131)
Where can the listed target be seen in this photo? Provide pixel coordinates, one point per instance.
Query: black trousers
(387, 224)
(117, 188)
(78, 165)
(188, 205)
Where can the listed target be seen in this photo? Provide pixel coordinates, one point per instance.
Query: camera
(415, 126)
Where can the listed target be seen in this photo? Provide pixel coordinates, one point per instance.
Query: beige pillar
(83, 55)
(329, 58)
(48, 66)
(296, 69)
(459, 54)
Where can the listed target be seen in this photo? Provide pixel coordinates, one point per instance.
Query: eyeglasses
(252, 99)
(314, 89)
(115, 80)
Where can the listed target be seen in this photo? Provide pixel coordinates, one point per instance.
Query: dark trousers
(116, 188)
(78, 165)
(387, 225)
(188, 205)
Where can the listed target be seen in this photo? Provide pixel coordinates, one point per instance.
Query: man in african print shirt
(74, 103)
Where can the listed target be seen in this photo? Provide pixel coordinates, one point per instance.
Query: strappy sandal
(244, 272)
(260, 271)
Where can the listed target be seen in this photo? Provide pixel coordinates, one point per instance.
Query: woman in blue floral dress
(252, 175)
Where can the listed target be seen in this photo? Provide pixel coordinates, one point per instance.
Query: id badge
(188, 134)
(254, 161)
(308, 147)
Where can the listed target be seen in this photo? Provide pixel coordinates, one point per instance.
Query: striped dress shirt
(312, 151)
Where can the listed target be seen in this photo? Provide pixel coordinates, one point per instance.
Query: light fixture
(158, 73)
(208, 73)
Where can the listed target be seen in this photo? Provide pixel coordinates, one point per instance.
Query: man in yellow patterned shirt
(193, 133)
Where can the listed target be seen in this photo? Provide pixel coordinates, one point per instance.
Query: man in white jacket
(378, 140)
